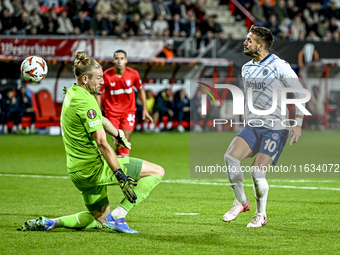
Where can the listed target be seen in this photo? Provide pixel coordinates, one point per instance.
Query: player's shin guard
(79, 221)
(260, 190)
(235, 176)
(142, 190)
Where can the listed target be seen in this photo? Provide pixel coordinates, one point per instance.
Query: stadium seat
(46, 106)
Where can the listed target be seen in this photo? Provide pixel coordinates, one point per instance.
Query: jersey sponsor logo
(265, 72)
(256, 85)
(91, 114)
(94, 123)
(112, 84)
(128, 83)
(121, 91)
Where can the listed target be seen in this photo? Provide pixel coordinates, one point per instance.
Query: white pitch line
(186, 213)
(181, 181)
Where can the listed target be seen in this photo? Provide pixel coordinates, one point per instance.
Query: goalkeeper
(91, 162)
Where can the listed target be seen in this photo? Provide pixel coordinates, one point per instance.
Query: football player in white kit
(264, 135)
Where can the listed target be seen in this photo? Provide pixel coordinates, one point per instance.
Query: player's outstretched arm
(118, 134)
(125, 182)
(142, 97)
(295, 132)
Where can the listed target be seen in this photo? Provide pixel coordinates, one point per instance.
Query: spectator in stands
(331, 10)
(146, 7)
(22, 23)
(160, 26)
(268, 6)
(25, 105)
(186, 8)
(311, 25)
(81, 24)
(49, 3)
(191, 26)
(312, 12)
(145, 24)
(312, 36)
(6, 4)
(322, 28)
(211, 25)
(10, 111)
(283, 29)
(281, 10)
(88, 6)
(161, 8)
(258, 12)
(121, 21)
(273, 25)
(167, 51)
(31, 5)
(65, 26)
(36, 21)
(132, 7)
(176, 27)
(73, 7)
(133, 25)
(104, 7)
(199, 10)
(18, 8)
(297, 28)
(98, 25)
(7, 22)
(163, 107)
(150, 103)
(175, 7)
(181, 107)
(334, 24)
(327, 37)
(336, 36)
(239, 15)
(199, 43)
(119, 6)
(50, 20)
(292, 9)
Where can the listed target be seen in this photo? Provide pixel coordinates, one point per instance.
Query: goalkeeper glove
(125, 183)
(121, 139)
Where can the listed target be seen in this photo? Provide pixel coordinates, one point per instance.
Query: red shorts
(123, 121)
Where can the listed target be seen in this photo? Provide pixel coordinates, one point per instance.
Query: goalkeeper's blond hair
(84, 66)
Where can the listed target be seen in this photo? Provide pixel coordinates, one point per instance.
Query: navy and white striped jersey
(265, 77)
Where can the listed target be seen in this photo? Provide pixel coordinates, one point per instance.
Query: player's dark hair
(84, 66)
(264, 35)
(119, 51)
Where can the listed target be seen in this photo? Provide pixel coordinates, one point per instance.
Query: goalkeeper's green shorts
(92, 182)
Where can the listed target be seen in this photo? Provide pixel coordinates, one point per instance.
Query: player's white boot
(235, 210)
(257, 221)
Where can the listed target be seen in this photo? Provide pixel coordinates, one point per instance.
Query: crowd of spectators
(166, 108)
(177, 18)
(316, 20)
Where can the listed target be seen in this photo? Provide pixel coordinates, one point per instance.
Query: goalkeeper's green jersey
(80, 117)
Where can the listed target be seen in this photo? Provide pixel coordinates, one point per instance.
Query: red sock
(124, 152)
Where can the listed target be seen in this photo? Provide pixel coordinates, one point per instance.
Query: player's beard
(93, 88)
(251, 53)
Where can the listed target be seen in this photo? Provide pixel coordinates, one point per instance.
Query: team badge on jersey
(128, 83)
(112, 84)
(265, 72)
(91, 114)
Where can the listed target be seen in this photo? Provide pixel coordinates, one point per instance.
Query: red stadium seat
(46, 106)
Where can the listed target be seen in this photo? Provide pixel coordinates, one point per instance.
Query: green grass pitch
(303, 214)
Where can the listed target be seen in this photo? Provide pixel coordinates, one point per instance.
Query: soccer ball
(33, 69)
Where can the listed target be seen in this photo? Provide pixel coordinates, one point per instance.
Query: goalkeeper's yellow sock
(79, 220)
(142, 190)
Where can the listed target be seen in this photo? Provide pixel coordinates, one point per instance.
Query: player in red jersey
(119, 97)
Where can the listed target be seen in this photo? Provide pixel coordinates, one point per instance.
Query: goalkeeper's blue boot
(118, 225)
(44, 224)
